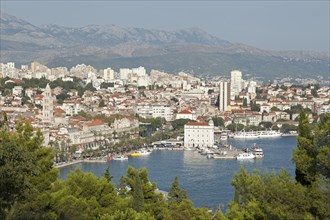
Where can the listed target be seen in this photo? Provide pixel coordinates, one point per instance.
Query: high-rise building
(108, 74)
(47, 105)
(235, 83)
(224, 96)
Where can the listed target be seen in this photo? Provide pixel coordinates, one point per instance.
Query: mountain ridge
(23, 42)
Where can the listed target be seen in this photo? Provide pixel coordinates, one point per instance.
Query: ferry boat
(246, 156)
(246, 134)
(269, 134)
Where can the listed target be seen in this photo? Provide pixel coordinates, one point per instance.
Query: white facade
(140, 71)
(163, 111)
(143, 81)
(199, 134)
(154, 111)
(108, 74)
(224, 96)
(8, 69)
(235, 83)
(71, 108)
(17, 90)
(124, 73)
(252, 87)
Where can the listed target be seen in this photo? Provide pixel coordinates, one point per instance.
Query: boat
(289, 133)
(257, 151)
(246, 156)
(246, 135)
(120, 157)
(269, 134)
(141, 152)
(224, 136)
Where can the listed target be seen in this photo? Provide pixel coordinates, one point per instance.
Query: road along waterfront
(208, 182)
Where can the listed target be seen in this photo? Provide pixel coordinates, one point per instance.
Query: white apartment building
(140, 71)
(143, 81)
(108, 74)
(199, 134)
(8, 69)
(124, 73)
(71, 107)
(154, 111)
(235, 83)
(224, 96)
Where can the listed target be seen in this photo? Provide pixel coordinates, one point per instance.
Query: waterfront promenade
(64, 164)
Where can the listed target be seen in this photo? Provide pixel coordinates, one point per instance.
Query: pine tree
(138, 198)
(305, 155)
(176, 194)
(107, 175)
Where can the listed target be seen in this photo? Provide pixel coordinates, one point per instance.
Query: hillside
(190, 49)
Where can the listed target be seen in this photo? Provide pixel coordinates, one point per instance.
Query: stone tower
(47, 105)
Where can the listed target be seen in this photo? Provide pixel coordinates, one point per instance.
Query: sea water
(207, 181)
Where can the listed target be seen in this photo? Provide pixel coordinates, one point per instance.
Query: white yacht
(120, 157)
(224, 136)
(141, 152)
(246, 156)
(258, 152)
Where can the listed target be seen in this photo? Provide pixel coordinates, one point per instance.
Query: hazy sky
(277, 25)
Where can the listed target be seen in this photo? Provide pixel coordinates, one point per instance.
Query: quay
(80, 161)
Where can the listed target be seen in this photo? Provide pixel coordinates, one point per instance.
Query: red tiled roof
(198, 123)
(59, 110)
(95, 122)
(186, 111)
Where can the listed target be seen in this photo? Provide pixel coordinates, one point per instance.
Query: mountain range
(192, 50)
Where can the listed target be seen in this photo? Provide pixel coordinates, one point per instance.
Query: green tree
(107, 175)
(305, 155)
(274, 108)
(138, 199)
(266, 124)
(255, 107)
(102, 104)
(179, 123)
(268, 196)
(176, 194)
(245, 102)
(25, 170)
(218, 121)
(235, 127)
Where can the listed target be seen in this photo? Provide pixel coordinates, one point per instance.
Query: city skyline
(293, 25)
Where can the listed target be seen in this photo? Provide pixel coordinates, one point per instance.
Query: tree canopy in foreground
(30, 188)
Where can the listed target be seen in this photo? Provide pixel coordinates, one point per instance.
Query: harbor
(208, 181)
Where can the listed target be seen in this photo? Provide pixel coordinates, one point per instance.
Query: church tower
(47, 105)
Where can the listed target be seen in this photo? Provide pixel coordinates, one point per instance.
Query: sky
(272, 25)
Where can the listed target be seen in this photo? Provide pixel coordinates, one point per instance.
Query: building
(47, 105)
(154, 110)
(199, 134)
(224, 96)
(235, 83)
(186, 114)
(8, 69)
(108, 74)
